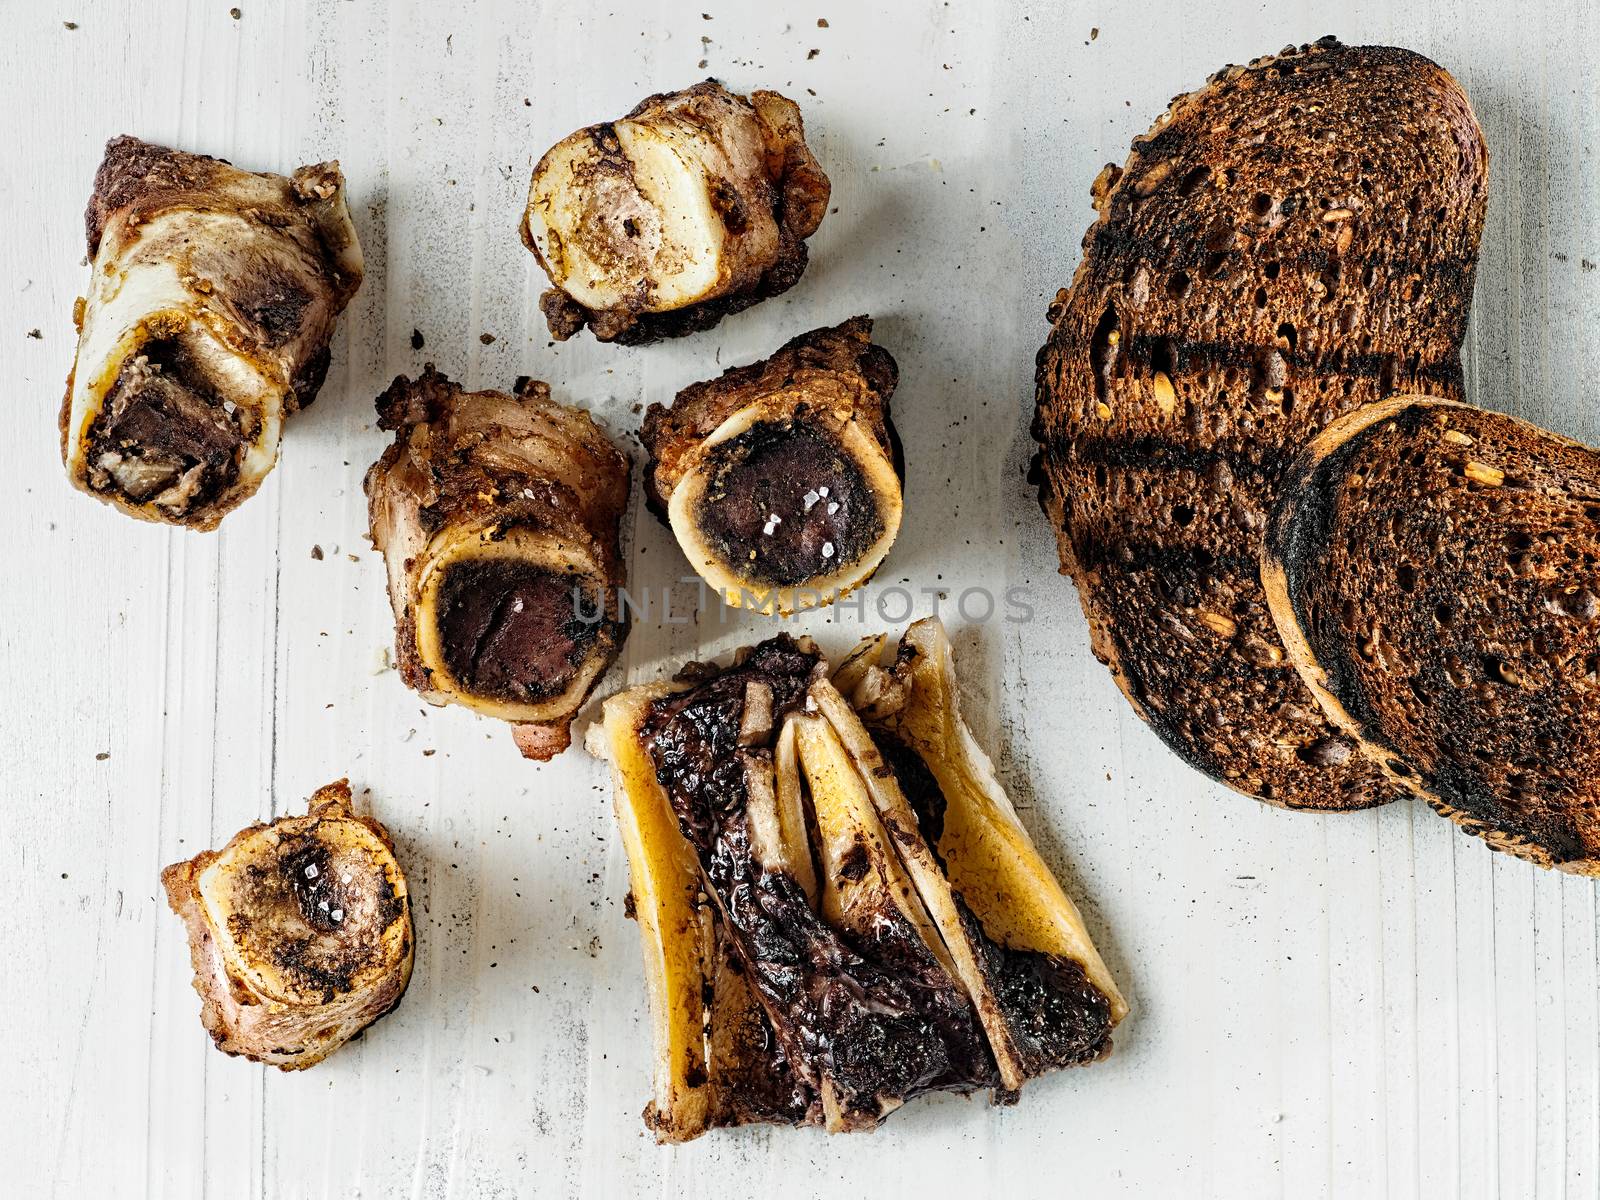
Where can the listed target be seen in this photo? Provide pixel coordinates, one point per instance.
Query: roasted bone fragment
(716, 1060)
(299, 931)
(498, 520)
(781, 480)
(212, 299)
(874, 976)
(695, 205)
(1017, 940)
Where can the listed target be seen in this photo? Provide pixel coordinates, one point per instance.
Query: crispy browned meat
(695, 205)
(1433, 569)
(498, 520)
(212, 301)
(299, 931)
(1294, 239)
(781, 480)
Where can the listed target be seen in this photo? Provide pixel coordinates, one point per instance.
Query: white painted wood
(1345, 1006)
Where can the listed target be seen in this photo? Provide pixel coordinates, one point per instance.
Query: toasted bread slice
(1296, 238)
(1434, 571)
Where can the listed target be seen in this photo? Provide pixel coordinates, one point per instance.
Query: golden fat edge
(738, 588)
(486, 541)
(675, 930)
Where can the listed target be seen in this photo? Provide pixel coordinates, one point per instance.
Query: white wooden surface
(1355, 1006)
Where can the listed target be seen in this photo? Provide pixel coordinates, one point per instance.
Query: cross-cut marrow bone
(211, 302)
(1017, 940)
(299, 931)
(498, 520)
(782, 480)
(695, 205)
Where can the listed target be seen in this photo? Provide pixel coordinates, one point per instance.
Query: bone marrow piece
(782, 480)
(798, 972)
(1018, 942)
(212, 299)
(1295, 239)
(299, 931)
(498, 518)
(695, 205)
(1433, 570)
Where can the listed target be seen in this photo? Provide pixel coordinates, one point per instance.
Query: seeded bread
(1296, 238)
(1434, 571)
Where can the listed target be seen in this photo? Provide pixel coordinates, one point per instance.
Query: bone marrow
(826, 512)
(299, 931)
(498, 518)
(695, 205)
(801, 968)
(781, 480)
(514, 630)
(212, 299)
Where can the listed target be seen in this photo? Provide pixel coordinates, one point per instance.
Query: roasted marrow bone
(695, 205)
(497, 516)
(1017, 940)
(1433, 569)
(1294, 239)
(782, 480)
(211, 302)
(808, 962)
(299, 931)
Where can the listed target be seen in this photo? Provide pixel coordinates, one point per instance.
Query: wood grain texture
(1367, 1004)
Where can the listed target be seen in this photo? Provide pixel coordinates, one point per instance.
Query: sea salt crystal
(311, 871)
(827, 549)
(823, 492)
(811, 498)
(346, 877)
(337, 914)
(323, 905)
(773, 521)
(518, 606)
(833, 507)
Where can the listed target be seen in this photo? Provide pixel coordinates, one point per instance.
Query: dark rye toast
(1295, 239)
(1434, 572)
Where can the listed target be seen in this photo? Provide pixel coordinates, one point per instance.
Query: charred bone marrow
(782, 480)
(695, 205)
(498, 519)
(892, 927)
(212, 299)
(299, 932)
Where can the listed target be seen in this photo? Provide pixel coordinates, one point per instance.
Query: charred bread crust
(1294, 239)
(1433, 569)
